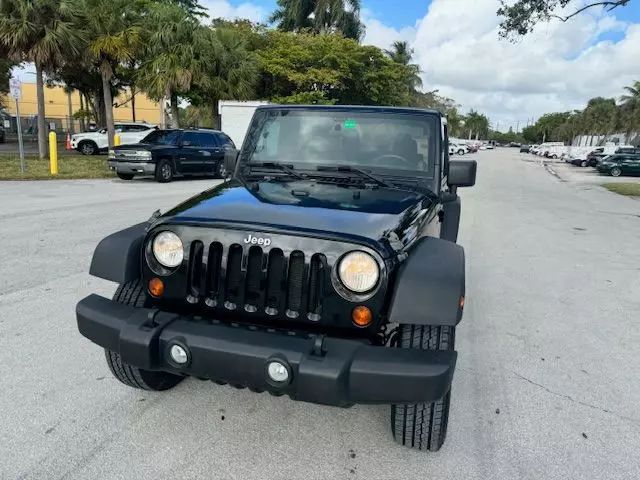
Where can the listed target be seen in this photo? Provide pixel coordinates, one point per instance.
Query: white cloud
(557, 68)
(381, 35)
(224, 9)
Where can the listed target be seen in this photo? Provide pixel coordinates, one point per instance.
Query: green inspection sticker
(350, 123)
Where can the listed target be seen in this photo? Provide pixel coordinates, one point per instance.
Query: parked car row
(624, 161)
(462, 148)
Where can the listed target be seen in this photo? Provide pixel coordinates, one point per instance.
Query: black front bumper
(331, 371)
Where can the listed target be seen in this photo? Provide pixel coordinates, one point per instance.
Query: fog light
(156, 287)
(179, 354)
(362, 316)
(278, 372)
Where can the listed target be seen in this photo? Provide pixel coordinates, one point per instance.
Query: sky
(557, 68)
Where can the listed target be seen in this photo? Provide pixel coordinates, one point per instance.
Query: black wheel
(583, 163)
(423, 426)
(88, 147)
(221, 170)
(461, 152)
(615, 172)
(164, 172)
(124, 176)
(133, 294)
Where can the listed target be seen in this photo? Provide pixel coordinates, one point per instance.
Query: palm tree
(402, 53)
(114, 37)
(321, 16)
(42, 32)
(173, 55)
(630, 108)
(231, 71)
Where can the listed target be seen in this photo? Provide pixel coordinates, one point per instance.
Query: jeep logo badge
(257, 240)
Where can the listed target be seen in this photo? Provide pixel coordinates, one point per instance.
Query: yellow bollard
(53, 153)
(116, 140)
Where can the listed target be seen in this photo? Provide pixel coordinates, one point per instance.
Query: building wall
(57, 106)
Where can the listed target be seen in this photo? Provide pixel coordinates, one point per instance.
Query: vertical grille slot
(295, 284)
(275, 276)
(234, 276)
(253, 280)
(195, 275)
(214, 263)
(317, 278)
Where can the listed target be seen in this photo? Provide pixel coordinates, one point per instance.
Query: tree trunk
(42, 126)
(216, 115)
(133, 102)
(175, 121)
(70, 106)
(105, 70)
(83, 127)
(100, 109)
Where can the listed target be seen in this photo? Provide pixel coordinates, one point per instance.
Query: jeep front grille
(257, 279)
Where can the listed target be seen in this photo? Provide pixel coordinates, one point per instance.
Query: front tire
(221, 170)
(88, 147)
(133, 294)
(423, 426)
(461, 152)
(164, 172)
(615, 172)
(583, 163)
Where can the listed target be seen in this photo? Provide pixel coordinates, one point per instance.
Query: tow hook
(318, 346)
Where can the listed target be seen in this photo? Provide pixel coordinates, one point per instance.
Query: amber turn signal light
(156, 287)
(362, 316)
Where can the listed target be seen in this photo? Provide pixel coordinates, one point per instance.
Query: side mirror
(231, 160)
(103, 131)
(462, 173)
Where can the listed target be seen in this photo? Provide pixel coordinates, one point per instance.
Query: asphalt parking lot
(547, 383)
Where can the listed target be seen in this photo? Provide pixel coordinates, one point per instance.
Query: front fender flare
(118, 256)
(430, 285)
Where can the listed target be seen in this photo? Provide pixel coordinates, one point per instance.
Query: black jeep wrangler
(325, 269)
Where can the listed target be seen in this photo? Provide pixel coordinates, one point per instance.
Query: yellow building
(57, 106)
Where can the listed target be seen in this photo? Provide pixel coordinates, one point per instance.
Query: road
(547, 384)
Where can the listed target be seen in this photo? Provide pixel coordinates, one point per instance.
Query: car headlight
(143, 153)
(168, 249)
(358, 271)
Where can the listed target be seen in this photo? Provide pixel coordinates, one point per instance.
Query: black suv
(166, 154)
(325, 269)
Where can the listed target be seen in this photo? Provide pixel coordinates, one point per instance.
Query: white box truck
(235, 118)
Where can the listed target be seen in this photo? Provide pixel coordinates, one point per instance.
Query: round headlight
(168, 250)
(359, 272)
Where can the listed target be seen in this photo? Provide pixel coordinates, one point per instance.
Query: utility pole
(517, 127)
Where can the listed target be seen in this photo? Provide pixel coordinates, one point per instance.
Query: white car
(459, 149)
(90, 143)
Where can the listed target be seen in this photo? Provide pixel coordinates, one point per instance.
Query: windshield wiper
(288, 169)
(349, 169)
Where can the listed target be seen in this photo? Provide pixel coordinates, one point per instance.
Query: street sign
(14, 88)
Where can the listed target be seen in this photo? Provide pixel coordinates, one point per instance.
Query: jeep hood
(379, 217)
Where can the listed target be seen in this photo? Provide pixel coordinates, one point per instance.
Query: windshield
(162, 137)
(389, 142)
